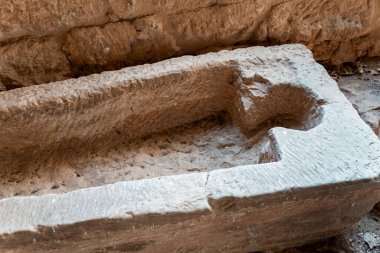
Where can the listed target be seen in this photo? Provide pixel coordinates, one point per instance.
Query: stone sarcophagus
(310, 169)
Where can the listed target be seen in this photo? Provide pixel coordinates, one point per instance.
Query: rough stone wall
(44, 40)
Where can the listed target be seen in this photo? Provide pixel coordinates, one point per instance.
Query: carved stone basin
(150, 158)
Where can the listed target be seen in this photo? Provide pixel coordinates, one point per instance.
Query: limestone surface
(44, 40)
(310, 182)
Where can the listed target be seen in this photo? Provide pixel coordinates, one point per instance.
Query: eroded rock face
(43, 41)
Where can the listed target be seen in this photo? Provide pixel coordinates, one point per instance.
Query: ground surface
(363, 91)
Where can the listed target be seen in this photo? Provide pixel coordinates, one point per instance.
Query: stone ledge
(44, 41)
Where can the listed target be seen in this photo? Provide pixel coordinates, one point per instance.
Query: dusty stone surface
(319, 178)
(364, 237)
(208, 144)
(44, 40)
(363, 91)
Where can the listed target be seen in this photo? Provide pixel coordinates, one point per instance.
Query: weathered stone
(316, 181)
(32, 61)
(61, 39)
